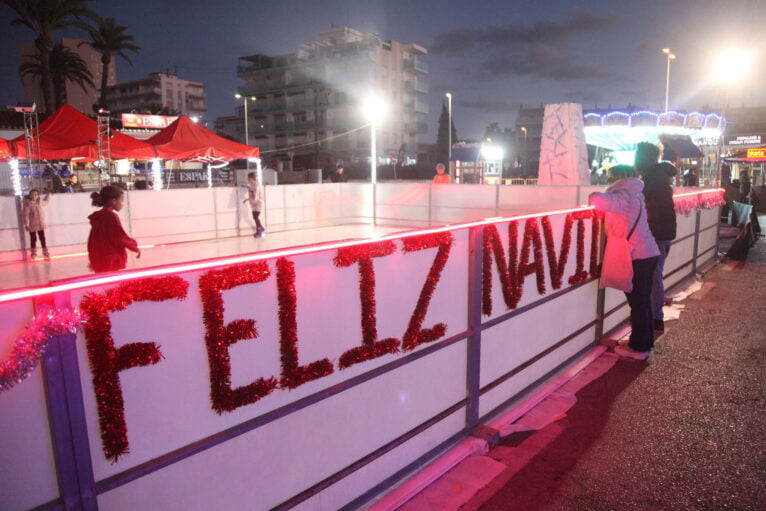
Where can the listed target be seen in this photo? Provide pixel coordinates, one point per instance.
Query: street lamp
(449, 126)
(373, 112)
(247, 134)
(524, 154)
(730, 67)
(670, 56)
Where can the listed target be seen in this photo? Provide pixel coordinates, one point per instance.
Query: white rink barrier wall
(306, 379)
(192, 214)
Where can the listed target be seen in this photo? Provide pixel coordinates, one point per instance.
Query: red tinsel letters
(371, 348)
(513, 272)
(293, 374)
(106, 361)
(415, 335)
(218, 337)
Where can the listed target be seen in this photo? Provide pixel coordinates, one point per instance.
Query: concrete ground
(685, 430)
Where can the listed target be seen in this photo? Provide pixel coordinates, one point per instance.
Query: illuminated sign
(746, 140)
(756, 152)
(157, 122)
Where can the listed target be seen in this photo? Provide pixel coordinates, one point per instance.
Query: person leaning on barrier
(623, 203)
(441, 178)
(661, 214)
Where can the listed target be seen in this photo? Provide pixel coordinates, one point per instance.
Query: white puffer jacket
(622, 203)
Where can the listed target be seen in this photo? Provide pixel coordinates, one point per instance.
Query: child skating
(34, 222)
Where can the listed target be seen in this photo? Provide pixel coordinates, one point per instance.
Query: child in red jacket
(107, 241)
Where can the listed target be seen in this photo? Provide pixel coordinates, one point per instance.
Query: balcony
(416, 128)
(279, 127)
(416, 65)
(417, 85)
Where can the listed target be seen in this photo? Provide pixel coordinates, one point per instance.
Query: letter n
(507, 271)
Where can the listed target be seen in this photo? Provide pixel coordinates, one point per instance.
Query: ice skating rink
(72, 262)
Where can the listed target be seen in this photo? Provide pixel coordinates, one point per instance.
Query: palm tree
(65, 66)
(110, 39)
(44, 18)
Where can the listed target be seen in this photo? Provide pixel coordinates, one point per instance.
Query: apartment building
(77, 97)
(158, 93)
(307, 109)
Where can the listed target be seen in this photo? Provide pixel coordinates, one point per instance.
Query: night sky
(492, 55)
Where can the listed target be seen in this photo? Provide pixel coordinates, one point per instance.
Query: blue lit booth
(689, 140)
(478, 163)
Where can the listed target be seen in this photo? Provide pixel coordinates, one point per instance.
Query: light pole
(449, 128)
(670, 56)
(524, 129)
(247, 134)
(373, 112)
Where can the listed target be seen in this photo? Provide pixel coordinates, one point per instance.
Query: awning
(5, 149)
(69, 134)
(184, 139)
(679, 146)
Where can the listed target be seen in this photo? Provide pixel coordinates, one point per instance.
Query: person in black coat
(338, 176)
(661, 214)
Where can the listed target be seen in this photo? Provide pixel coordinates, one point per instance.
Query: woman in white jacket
(623, 203)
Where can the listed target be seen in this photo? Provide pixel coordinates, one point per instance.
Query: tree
(44, 18)
(110, 39)
(65, 66)
(442, 136)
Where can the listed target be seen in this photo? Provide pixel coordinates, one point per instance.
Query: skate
(33, 254)
(46, 254)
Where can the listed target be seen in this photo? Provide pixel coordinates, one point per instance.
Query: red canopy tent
(69, 134)
(187, 140)
(5, 149)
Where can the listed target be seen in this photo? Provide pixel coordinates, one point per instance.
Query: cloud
(510, 35)
(540, 62)
(489, 105)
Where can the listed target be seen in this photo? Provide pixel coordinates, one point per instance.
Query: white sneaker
(627, 351)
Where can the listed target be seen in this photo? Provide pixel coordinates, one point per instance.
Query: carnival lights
(15, 177)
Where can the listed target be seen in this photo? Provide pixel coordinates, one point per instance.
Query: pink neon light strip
(77, 254)
(110, 278)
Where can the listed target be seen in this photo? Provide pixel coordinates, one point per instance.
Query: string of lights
(308, 144)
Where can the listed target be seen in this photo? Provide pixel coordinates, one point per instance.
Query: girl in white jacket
(34, 221)
(623, 203)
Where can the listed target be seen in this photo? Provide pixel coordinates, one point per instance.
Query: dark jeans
(658, 288)
(640, 300)
(257, 218)
(33, 239)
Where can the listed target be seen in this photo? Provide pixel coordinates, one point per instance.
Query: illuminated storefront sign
(746, 140)
(147, 121)
(756, 152)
